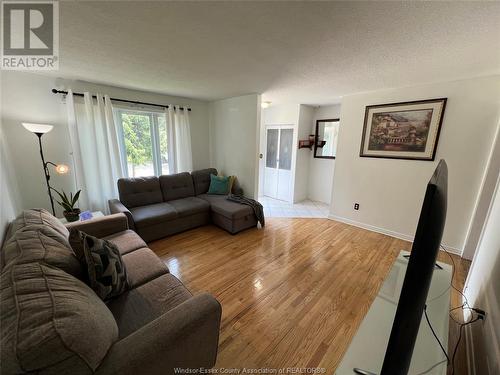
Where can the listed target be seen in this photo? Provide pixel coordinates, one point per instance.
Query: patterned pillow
(107, 275)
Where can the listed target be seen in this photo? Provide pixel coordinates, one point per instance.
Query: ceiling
(306, 52)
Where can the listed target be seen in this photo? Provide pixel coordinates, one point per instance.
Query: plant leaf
(75, 198)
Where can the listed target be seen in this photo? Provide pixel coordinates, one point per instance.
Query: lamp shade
(37, 128)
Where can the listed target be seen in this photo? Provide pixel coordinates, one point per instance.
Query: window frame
(154, 129)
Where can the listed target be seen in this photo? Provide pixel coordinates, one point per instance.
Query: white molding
(469, 350)
(387, 232)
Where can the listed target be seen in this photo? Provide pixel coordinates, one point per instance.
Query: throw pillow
(231, 184)
(107, 275)
(218, 185)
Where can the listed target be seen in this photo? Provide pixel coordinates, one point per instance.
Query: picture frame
(325, 138)
(404, 130)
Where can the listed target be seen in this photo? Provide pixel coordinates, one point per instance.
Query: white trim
(469, 350)
(387, 232)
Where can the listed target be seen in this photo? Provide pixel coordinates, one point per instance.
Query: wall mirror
(325, 145)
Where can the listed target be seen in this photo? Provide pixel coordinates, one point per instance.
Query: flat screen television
(418, 275)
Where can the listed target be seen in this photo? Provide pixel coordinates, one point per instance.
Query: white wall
(390, 191)
(487, 190)
(321, 170)
(302, 173)
(482, 287)
(9, 198)
(234, 134)
(27, 97)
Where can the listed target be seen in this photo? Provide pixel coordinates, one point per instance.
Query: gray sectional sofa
(53, 323)
(160, 206)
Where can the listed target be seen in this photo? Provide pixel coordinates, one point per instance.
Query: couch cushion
(226, 208)
(47, 316)
(153, 214)
(142, 266)
(126, 241)
(139, 191)
(176, 186)
(41, 243)
(141, 305)
(201, 180)
(189, 206)
(37, 216)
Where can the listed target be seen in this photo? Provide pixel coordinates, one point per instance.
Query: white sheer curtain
(179, 140)
(96, 153)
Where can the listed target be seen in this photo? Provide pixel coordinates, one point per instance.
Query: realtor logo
(30, 35)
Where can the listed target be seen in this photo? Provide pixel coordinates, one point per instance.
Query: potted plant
(71, 213)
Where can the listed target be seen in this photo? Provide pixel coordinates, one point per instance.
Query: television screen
(418, 275)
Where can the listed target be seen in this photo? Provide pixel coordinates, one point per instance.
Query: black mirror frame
(316, 138)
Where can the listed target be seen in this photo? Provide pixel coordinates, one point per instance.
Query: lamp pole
(46, 172)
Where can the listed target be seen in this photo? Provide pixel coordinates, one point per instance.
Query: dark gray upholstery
(186, 336)
(147, 302)
(176, 186)
(117, 207)
(201, 180)
(126, 241)
(153, 214)
(231, 216)
(178, 208)
(190, 206)
(181, 224)
(139, 191)
(142, 266)
(53, 323)
(231, 210)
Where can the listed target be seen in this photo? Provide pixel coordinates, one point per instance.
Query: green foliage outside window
(137, 137)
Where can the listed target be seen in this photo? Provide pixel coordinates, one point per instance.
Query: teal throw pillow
(218, 185)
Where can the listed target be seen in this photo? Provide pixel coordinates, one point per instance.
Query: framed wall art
(407, 130)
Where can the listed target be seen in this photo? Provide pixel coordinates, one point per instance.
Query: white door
(278, 162)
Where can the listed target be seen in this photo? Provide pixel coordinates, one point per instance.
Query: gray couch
(53, 323)
(160, 206)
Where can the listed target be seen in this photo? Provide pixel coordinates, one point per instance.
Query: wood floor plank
(293, 294)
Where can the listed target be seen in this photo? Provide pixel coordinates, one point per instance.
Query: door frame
(292, 167)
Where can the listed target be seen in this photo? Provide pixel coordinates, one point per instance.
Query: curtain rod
(55, 91)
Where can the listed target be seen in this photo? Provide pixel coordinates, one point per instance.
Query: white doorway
(278, 162)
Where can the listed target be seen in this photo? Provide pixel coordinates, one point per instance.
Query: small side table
(94, 215)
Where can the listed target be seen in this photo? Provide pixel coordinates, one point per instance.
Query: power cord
(435, 336)
(465, 305)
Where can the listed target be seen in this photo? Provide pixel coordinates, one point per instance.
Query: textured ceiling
(307, 52)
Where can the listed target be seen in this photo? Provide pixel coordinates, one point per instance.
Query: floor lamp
(39, 130)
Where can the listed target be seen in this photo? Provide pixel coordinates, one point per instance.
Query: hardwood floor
(292, 294)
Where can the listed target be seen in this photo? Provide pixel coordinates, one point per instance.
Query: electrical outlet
(356, 206)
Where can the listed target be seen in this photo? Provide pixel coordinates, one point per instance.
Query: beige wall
(234, 133)
(390, 191)
(27, 97)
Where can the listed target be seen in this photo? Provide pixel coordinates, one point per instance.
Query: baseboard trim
(387, 232)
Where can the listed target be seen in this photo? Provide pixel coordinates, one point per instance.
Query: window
(144, 143)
